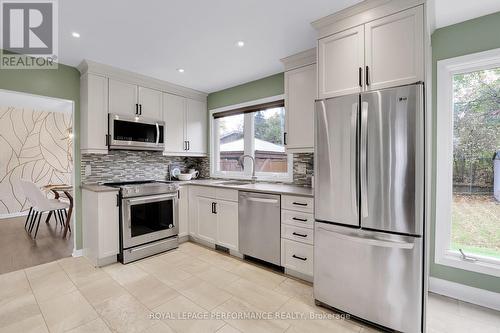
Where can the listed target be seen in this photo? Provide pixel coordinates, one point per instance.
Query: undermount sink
(233, 183)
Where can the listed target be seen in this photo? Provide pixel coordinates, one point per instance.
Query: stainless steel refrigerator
(369, 206)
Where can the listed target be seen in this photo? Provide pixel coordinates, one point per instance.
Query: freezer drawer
(374, 276)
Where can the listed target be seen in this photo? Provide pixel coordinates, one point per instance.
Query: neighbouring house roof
(260, 145)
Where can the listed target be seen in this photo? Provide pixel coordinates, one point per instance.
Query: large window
(256, 130)
(468, 165)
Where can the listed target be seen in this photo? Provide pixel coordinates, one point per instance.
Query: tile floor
(72, 296)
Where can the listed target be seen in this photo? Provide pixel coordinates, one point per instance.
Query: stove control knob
(170, 226)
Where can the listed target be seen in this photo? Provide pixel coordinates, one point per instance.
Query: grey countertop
(257, 187)
(95, 187)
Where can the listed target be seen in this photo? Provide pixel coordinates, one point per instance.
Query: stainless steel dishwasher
(259, 226)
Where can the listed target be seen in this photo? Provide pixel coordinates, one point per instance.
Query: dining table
(67, 190)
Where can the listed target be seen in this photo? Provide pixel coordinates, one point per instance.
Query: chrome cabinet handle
(367, 76)
(297, 219)
(300, 258)
(300, 235)
(299, 203)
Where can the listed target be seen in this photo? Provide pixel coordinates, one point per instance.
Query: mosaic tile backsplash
(122, 165)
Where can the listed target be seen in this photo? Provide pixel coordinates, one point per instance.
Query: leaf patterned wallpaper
(35, 145)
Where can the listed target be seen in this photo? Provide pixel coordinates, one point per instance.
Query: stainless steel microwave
(135, 133)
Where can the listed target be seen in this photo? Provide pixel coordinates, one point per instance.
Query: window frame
(446, 69)
(248, 146)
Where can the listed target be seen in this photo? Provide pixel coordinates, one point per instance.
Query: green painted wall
(472, 36)
(64, 83)
(266, 87)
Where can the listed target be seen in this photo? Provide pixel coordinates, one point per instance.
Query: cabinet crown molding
(89, 66)
(360, 13)
(301, 59)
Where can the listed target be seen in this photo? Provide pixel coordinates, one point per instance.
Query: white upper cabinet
(150, 103)
(394, 49)
(300, 93)
(94, 114)
(132, 100)
(122, 98)
(340, 63)
(185, 126)
(196, 126)
(174, 114)
(384, 49)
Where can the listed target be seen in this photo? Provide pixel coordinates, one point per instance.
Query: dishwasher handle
(263, 200)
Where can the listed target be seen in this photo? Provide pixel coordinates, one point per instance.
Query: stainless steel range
(148, 218)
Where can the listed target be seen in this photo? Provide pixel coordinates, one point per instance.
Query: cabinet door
(206, 219)
(394, 49)
(150, 101)
(174, 112)
(94, 117)
(183, 211)
(300, 90)
(227, 224)
(108, 224)
(122, 98)
(340, 59)
(196, 126)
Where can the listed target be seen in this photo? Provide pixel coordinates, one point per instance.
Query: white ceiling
(155, 37)
(449, 12)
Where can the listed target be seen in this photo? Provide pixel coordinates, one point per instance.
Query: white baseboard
(77, 253)
(465, 293)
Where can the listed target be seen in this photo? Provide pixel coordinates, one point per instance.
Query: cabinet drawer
(227, 194)
(303, 235)
(301, 204)
(204, 191)
(297, 256)
(298, 219)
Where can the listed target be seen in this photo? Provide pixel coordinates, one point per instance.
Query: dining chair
(41, 204)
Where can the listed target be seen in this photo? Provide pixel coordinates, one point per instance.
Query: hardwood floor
(18, 250)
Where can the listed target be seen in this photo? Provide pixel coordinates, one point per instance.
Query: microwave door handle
(157, 134)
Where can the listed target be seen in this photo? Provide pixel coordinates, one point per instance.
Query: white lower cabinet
(207, 219)
(101, 230)
(213, 216)
(183, 211)
(227, 224)
(297, 256)
(297, 236)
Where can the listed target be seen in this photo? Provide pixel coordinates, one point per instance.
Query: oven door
(147, 219)
(135, 133)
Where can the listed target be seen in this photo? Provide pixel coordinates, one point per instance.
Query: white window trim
(264, 176)
(446, 69)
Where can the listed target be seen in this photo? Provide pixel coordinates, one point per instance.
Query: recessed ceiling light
(240, 43)
(180, 70)
(75, 34)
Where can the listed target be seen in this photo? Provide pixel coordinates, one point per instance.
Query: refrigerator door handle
(354, 175)
(363, 159)
(374, 241)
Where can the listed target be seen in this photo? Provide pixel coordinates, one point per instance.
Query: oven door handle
(152, 198)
